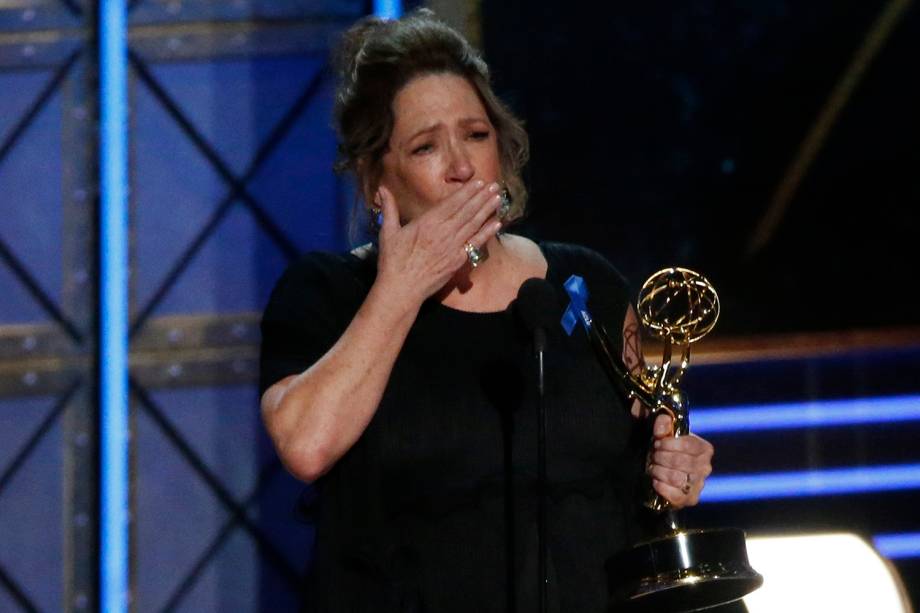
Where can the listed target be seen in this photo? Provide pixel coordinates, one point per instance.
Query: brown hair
(376, 59)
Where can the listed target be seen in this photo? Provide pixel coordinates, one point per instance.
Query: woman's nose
(461, 167)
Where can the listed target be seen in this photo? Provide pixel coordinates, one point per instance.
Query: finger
(470, 206)
(485, 233)
(675, 460)
(388, 207)
(673, 495)
(455, 203)
(487, 208)
(676, 478)
(662, 426)
(698, 468)
(690, 444)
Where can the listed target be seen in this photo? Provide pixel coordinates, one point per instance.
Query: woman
(397, 380)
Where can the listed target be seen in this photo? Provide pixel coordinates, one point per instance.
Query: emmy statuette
(679, 569)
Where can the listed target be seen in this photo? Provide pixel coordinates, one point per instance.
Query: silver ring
(474, 255)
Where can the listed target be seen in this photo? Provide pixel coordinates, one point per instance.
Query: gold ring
(474, 255)
(686, 488)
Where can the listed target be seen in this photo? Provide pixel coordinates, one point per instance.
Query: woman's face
(442, 138)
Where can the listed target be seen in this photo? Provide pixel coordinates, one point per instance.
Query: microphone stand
(536, 306)
(539, 348)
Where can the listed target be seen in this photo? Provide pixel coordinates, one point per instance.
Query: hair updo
(376, 59)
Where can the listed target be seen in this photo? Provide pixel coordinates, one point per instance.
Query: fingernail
(496, 226)
(657, 444)
(479, 183)
(493, 188)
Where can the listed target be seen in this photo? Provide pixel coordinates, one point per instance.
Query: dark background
(660, 132)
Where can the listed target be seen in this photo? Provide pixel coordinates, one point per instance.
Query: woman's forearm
(314, 417)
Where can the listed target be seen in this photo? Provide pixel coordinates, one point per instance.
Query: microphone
(537, 308)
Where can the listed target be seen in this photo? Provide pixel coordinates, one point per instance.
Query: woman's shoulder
(356, 262)
(325, 276)
(357, 265)
(571, 259)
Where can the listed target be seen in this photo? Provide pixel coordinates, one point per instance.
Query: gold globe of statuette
(678, 305)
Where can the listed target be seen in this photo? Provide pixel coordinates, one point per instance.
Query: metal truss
(237, 185)
(58, 357)
(68, 335)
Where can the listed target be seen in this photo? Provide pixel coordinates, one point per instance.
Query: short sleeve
(309, 309)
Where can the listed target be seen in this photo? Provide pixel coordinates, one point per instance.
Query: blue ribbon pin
(578, 308)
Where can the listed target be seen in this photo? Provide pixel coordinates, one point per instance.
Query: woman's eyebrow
(430, 128)
(468, 120)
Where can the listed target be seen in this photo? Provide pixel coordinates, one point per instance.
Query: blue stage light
(113, 316)
(732, 488)
(896, 546)
(388, 9)
(816, 414)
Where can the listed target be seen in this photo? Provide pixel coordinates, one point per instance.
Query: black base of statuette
(689, 570)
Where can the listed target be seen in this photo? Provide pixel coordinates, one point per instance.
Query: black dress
(434, 508)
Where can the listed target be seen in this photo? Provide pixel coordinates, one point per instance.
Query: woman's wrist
(393, 302)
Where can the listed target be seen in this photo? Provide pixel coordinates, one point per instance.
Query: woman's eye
(480, 135)
(424, 148)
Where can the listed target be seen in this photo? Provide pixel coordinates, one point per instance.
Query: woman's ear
(369, 182)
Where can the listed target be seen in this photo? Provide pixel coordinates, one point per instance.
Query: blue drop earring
(376, 221)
